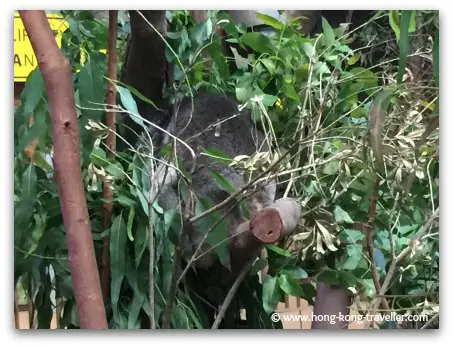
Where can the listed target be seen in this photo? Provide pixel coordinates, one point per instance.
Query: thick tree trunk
(145, 67)
(56, 73)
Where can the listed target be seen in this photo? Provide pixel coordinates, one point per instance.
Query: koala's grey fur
(237, 135)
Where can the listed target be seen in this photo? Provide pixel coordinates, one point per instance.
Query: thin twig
(232, 293)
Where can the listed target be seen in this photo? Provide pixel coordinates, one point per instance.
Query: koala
(214, 122)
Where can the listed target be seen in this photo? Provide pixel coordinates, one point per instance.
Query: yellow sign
(24, 58)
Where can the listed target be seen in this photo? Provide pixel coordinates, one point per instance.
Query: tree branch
(232, 292)
(110, 142)
(369, 241)
(56, 74)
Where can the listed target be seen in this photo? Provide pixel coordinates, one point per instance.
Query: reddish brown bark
(266, 226)
(56, 73)
(110, 142)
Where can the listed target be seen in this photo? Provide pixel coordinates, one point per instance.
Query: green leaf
(366, 77)
(290, 92)
(351, 235)
(91, 90)
(258, 42)
(140, 243)
(130, 222)
(36, 131)
(352, 259)
(134, 311)
(221, 181)
(179, 319)
(341, 216)
(214, 51)
(278, 250)
(328, 32)
(23, 211)
(202, 31)
(218, 155)
(271, 21)
(33, 91)
(116, 170)
(308, 48)
(290, 286)
(412, 24)
(143, 200)
(269, 64)
(403, 43)
(271, 293)
(332, 167)
(394, 23)
(359, 112)
(125, 201)
(38, 231)
(137, 94)
(218, 234)
(196, 320)
(258, 265)
(269, 100)
(129, 103)
(118, 240)
(294, 272)
(354, 59)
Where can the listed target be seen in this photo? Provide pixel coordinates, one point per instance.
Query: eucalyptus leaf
(33, 91)
(290, 286)
(118, 241)
(91, 91)
(129, 103)
(328, 32)
(23, 210)
(258, 42)
(341, 216)
(295, 272)
(271, 293)
(403, 43)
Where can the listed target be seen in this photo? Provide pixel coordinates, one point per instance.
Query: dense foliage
(358, 158)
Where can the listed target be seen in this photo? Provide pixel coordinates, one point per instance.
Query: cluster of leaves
(343, 119)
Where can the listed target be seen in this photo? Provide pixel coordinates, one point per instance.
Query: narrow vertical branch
(369, 240)
(56, 74)
(232, 292)
(110, 142)
(176, 264)
(151, 266)
(16, 312)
